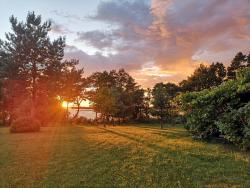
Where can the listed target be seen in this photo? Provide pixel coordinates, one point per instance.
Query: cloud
(68, 16)
(124, 12)
(59, 28)
(164, 40)
(100, 62)
(98, 39)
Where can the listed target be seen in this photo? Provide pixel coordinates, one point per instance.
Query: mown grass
(122, 156)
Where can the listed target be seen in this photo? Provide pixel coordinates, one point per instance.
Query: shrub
(220, 110)
(202, 109)
(81, 120)
(25, 124)
(235, 125)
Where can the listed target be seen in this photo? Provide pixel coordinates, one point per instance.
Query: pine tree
(34, 60)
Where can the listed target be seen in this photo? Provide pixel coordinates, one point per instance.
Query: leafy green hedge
(235, 125)
(220, 110)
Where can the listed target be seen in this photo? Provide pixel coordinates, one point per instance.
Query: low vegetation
(121, 156)
(25, 124)
(223, 110)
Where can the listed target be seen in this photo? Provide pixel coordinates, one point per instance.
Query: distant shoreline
(88, 113)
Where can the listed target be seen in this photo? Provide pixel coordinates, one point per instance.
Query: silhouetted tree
(172, 90)
(248, 60)
(147, 102)
(127, 97)
(239, 61)
(32, 70)
(204, 77)
(72, 85)
(106, 102)
(161, 101)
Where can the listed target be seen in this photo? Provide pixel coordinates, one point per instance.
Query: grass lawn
(122, 156)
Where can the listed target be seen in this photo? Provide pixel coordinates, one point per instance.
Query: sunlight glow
(64, 104)
(85, 103)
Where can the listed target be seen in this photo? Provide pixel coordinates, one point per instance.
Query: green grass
(122, 156)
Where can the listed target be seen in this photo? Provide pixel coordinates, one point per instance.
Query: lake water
(89, 114)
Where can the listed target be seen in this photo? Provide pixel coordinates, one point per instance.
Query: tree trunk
(67, 115)
(34, 89)
(161, 118)
(10, 120)
(77, 112)
(103, 120)
(4, 118)
(113, 122)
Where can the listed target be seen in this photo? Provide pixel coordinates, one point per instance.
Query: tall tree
(161, 101)
(72, 85)
(13, 83)
(30, 63)
(147, 102)
(27, 44)
(127, 99)
(138, 103)
(172, 90)
(106, 102)
(239, 61)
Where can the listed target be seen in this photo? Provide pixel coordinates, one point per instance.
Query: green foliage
(116, 94)
(219, 110)
(248, 60)
(235, 125)
(161, 101)
(162, 95)
(32, 68)
(106, 101)
(204, 77)
(243, 76)
(25, 124)
(239, 61)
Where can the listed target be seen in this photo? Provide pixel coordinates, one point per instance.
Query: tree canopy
(204, 77)
(116, 94)
(32, 70)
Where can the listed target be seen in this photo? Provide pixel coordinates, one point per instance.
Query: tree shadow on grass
(143, 141)
(177, 132)
(200, 164)
(203, 154)
(164, 164)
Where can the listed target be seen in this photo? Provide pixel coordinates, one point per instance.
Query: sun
(84, 103)
(64, 104)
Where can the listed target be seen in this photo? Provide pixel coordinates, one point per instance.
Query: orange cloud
(165, 40)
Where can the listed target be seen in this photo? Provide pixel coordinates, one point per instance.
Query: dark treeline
(35, 79)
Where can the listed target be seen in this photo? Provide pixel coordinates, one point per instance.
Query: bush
(235, 125)
(202, 109)
(81, 120)
(220, 110)
(25, 124)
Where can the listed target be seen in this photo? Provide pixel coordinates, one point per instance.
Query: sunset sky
(157, 40)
